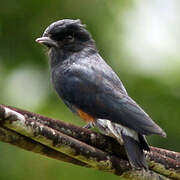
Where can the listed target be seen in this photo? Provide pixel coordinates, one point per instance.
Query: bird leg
(88, 125)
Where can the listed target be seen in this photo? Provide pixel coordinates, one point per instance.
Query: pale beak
(47, 42)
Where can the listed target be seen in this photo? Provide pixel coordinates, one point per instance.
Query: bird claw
(88, 126)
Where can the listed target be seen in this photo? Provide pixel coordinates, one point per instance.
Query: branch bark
(69, 143)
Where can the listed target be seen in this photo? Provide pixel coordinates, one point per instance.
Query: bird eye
(69, 38)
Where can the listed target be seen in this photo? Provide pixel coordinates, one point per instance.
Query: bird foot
(88, 126)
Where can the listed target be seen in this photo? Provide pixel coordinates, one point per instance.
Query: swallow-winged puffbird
(91, 89)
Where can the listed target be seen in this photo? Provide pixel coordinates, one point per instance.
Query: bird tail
(134, 142)
(134, 150)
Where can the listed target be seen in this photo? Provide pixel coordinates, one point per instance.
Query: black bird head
(66, 35)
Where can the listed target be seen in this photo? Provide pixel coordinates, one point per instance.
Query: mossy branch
(69, 143)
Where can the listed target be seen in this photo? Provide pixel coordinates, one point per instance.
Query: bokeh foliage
(24, 78)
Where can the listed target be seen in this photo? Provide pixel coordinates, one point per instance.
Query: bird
(92, 90)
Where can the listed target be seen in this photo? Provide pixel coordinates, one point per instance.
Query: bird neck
(55, 57)
(58, 56)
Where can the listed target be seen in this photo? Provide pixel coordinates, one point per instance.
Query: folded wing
(96, 93)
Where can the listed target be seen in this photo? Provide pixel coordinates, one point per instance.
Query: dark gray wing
(123, 110)
(93, 91)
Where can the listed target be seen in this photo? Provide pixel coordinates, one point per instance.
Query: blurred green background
(139, 39)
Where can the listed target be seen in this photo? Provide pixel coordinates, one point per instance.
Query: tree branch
(26, 143)
(69, 143)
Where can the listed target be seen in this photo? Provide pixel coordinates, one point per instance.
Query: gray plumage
(84, 81)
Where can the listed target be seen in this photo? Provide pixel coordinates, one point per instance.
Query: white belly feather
(115, 130)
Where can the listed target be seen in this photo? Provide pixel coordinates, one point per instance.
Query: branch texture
(69, 143)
